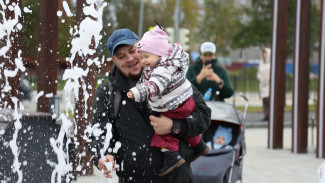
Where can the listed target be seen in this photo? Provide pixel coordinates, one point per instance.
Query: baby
(221, 138)
(164, 85)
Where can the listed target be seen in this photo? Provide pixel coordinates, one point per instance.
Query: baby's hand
(130, 95)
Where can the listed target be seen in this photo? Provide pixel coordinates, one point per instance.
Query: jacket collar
(119, 81)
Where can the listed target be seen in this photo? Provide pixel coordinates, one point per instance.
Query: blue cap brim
(126, 42)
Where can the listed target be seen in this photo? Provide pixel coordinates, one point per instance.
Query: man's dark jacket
(138, 161)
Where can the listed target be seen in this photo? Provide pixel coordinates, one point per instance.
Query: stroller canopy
(222, 111)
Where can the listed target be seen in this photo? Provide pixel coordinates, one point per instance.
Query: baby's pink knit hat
(155, 42)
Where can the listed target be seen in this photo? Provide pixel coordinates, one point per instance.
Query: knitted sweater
(165, 85)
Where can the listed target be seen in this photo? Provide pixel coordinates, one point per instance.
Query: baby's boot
(172, 159)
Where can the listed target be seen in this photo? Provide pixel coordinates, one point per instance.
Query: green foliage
(315, 26)
(258, 31)
(64, 36)
(126, 15)
(29, 35)
(30, 32)
(220, 23)
(244, 80)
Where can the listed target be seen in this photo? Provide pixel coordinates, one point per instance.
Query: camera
(208, 63)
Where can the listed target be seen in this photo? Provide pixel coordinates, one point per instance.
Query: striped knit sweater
(165, 85)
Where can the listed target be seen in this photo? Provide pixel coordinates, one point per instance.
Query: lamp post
(176, 21)
(140, 19)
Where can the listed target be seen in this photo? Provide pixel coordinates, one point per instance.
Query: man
(207, 74)
(134, 127)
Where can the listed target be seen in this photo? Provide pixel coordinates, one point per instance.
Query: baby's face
(148, 59)
(220, 140)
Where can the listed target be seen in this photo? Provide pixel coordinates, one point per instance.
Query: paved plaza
(263, 165)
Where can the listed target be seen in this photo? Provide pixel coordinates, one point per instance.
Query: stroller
(224, 165)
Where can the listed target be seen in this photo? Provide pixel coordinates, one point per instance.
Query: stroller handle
(243, 95)
(245, 110)
(246, 104)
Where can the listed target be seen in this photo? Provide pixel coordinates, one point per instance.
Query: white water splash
(107, 140)
(67, 9)
(88, 30)
(39, 95)
(13, 143)
(109, 166)
(26, 10)
(62, 167)
(13, 73)
(7, 27)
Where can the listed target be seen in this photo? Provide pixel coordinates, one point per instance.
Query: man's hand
(102, 166)
(206, 70)
(161, 125)
(214, 77)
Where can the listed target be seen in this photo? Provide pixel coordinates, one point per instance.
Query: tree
(29, 31)
(258, 31)
(220, 22)
(125, 14)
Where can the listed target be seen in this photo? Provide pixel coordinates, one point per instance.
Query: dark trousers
(266, 107)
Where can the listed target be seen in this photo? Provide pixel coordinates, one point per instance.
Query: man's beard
(135, 77)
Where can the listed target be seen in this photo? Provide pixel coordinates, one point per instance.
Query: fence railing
(247, 83)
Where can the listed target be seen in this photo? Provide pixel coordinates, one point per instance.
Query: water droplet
(59, 13)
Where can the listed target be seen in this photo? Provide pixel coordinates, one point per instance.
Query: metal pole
(277, 87)
(140, 19)
(47, 58)
(321, 90)
(301, 75)
(176, 21)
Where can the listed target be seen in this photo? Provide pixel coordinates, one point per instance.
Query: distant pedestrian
(206, 73)
(263, 76)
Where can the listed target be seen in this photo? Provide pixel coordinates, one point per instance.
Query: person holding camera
(207, 74)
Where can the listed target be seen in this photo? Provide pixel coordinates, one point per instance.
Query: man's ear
(113, 59)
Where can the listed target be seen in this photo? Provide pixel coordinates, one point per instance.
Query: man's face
(264, 54)
(127, 60)
(207, 56)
